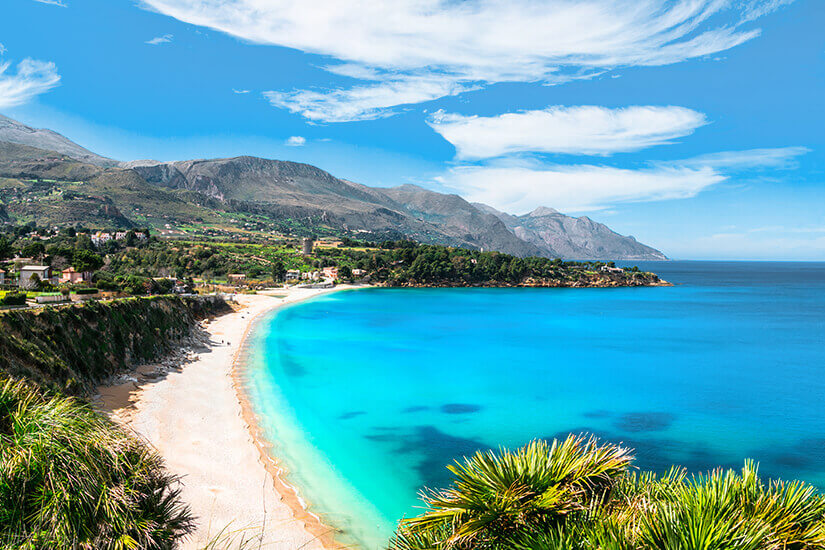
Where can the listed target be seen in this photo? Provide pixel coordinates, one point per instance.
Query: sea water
(367, 395)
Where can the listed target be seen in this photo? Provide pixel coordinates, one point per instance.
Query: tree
(5, 248)
(278, 271)
(86, 260)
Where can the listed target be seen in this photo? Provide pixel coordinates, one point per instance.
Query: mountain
(577, 238)
(47, 178)
(12, 131)
(290, 189)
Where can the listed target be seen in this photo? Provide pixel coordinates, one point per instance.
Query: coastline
(201, 422)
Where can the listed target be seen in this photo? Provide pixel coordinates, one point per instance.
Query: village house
(236, 277)
(99, 237)
(28, 272)
(330, 272)
(72, 276)
(612, 269)
(359, 272)
(311, 275)
(120, 235)
(293, 274)
(141, 236)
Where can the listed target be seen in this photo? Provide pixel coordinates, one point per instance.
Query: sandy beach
(198, 420)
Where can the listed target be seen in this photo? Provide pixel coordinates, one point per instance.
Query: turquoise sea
(366, 395)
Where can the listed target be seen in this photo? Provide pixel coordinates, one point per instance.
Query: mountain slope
(16, 132)
(284, 188)
(50, 179)
(577, 238)
(454, 214)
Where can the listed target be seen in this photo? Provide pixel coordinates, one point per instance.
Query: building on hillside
(141, 236)
(306, 246)
(359, 272)
(236, 277)
(610, 269)
(99, 237)
(293, 274)
(120, 235)
(72, 276)
(28, 272)
(311, 275)
(330, 272)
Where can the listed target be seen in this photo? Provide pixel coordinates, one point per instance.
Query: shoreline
(199, 419)
(290, 496)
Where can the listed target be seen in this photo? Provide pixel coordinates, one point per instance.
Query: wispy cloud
(240, 91)
(31, 79)
(165, 39)
(296, 141)
(363, 102)
(2, 49)
(53, 3)
(778, 158)
(578, 130)
(519, 185)
(419, 50)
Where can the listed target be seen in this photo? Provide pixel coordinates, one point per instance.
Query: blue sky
(697, 126)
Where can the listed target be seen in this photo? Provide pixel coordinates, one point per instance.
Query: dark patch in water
(645, 422)
(460, 408)
(807, 455)
(415, 409)
(597, 414)
(351, 414)
(656, 454)
(437, 450)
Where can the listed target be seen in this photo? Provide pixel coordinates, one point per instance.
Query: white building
(100, 237)
(29, 271)
(293, 274)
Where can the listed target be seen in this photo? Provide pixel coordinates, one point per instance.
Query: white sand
(195, 419)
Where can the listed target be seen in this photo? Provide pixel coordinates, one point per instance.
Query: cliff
(74, 348)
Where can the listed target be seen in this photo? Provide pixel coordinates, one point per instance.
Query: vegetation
(579, 494)
(74, 348)
(69, 478)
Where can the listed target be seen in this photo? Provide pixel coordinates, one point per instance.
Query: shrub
(579, 495)
(70, 478)
(13, 299)
(85, 291)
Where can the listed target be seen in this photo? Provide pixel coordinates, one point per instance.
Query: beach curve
(200, 421)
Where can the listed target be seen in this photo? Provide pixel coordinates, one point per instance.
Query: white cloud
(777, 158)
(296, 141)
(240, 91)
(520, 186)
(577, 188)
(580, 130)
(165, 39)
(363, 102)
(32, 78)
(418, 50)
(53, 3)
(2, 49)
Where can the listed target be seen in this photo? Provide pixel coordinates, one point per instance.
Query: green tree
(278, 271)
(86, 260)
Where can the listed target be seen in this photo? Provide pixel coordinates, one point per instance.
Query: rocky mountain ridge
(283, 190)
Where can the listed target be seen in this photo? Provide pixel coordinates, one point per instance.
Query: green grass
(71, 479)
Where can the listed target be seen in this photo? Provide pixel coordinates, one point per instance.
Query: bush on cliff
(578, 494)
(69, 478)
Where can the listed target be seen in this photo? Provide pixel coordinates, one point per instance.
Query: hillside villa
(72, 276)
(330, 272)
(28, 272)
(293, 274)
